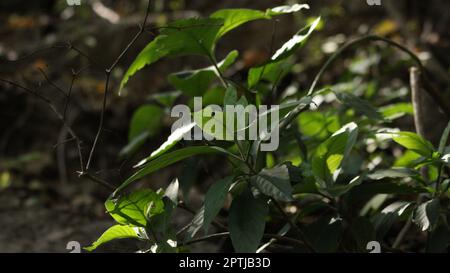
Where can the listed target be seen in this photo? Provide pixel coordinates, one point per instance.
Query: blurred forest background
(43, 203)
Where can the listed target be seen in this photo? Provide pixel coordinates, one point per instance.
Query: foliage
(330, 166)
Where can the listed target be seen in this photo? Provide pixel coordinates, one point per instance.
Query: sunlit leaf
(135, 209)
(194, 36)
(114, 233)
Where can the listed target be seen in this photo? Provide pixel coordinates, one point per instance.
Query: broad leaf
(397, 110)
(169, 159)
(427, 214)
(275, 67)
(214, 200)
(114, 233)
(196, 82)
(274, 183)
(384, 220)
(329, 155)
(271, 71)
(414, 143)
(247, 222)
(173, 139)
(194, 36)
(236, 17)
(135, 209)
(393, 173)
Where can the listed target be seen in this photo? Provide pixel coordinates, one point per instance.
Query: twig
(108, 74)
(227, 234)
(428, 86)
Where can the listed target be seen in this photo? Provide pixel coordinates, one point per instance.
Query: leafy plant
(322, 170)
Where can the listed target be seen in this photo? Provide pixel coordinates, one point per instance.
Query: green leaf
(295, 42)
(232, 18)
(274, 183)
(271, 71)
(236, 17)
(247, 222)
(196, 82)
(194, 36)
(444, 139)
(397, 110)
(275, 67)
(414, 143)
(427, 214)
(315, 124)
(135, 209)
(169, 159)
(146, 118)
(173, 139)
(214, 200)
(114, 233)
(361, 106)
(393, 173)
(384, 220)
(329, 155)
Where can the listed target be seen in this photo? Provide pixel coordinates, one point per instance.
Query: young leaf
(247, 222)
(135, 209)
(329, 155)
(196, 82)
(414, 143)
(169, 159)
(114, 233)
(427, 214)
(274, 183)
(194, 36)
(214, 200)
